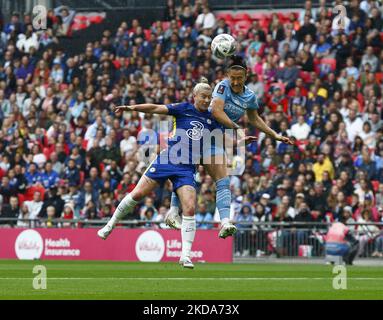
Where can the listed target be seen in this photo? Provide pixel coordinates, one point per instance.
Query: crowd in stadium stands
(64, 153)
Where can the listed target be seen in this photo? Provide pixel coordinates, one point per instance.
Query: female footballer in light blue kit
(231, 100)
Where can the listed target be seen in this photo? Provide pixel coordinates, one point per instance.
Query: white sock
(188, 230)
(224, 221)
(125, 207)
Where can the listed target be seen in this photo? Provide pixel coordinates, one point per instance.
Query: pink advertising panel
(150, 245)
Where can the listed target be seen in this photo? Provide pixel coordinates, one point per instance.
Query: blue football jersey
(235, 104)
(191, 129)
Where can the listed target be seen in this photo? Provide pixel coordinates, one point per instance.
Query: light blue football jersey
(235, 104)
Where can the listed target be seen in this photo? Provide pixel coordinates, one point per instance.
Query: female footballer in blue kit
(191, 120)
(231, 100)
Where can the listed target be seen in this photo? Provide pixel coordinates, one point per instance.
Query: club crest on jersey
(221, 89)
(196, 132)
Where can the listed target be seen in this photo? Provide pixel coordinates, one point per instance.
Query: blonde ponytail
(202, 85)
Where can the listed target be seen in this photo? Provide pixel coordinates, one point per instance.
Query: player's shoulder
(180, 105)
(222, 86)
(179, 108)
(249, 94)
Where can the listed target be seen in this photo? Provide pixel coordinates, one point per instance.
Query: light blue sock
(223, 198)
(174, 202)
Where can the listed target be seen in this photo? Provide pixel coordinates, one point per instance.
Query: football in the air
(223, 46)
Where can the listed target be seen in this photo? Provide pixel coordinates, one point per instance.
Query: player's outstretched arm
(258, 122)
(218, 113)
(145, 108)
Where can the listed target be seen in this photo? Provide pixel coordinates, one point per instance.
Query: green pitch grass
(150, 281)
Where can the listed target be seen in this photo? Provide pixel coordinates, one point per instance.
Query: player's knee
(189, 209)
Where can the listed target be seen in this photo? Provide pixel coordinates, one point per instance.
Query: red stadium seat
(331, 62)
(21, 198)
(375, 185)
(76, 26)
(28, 196)
(80, 17)
(259, 16)
(325, 66)
(96, 19)
(379, 77)
(82, 177)
(265, 24)
(46, 152)
(225, 15)
(283, 17)
(84, 144)
(165, 25)
(147, 33)
(305, 76)
(243, 25)
(231, 24)
(242, 16)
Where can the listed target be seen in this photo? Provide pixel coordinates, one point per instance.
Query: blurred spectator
(10, 210)
(202, 215)
(246, 217)
(34, 206)
(205, 20)
(365, 231)
(65, 17)
(341, 242)
(170, 11)
(52, 198)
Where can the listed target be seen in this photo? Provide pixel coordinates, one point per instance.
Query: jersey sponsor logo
(221, 89)
(236, 101)
(196, 132)
(234, 111)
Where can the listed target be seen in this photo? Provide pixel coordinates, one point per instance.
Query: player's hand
(283, 139)
(241, 133)
(247, 140)
(118, 109)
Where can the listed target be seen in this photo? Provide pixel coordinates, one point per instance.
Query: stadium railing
(215, 4)
(257, 239)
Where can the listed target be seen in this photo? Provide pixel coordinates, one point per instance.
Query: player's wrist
(235, 126)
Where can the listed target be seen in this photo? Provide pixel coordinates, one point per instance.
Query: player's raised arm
(145, 108)
(257, 121)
